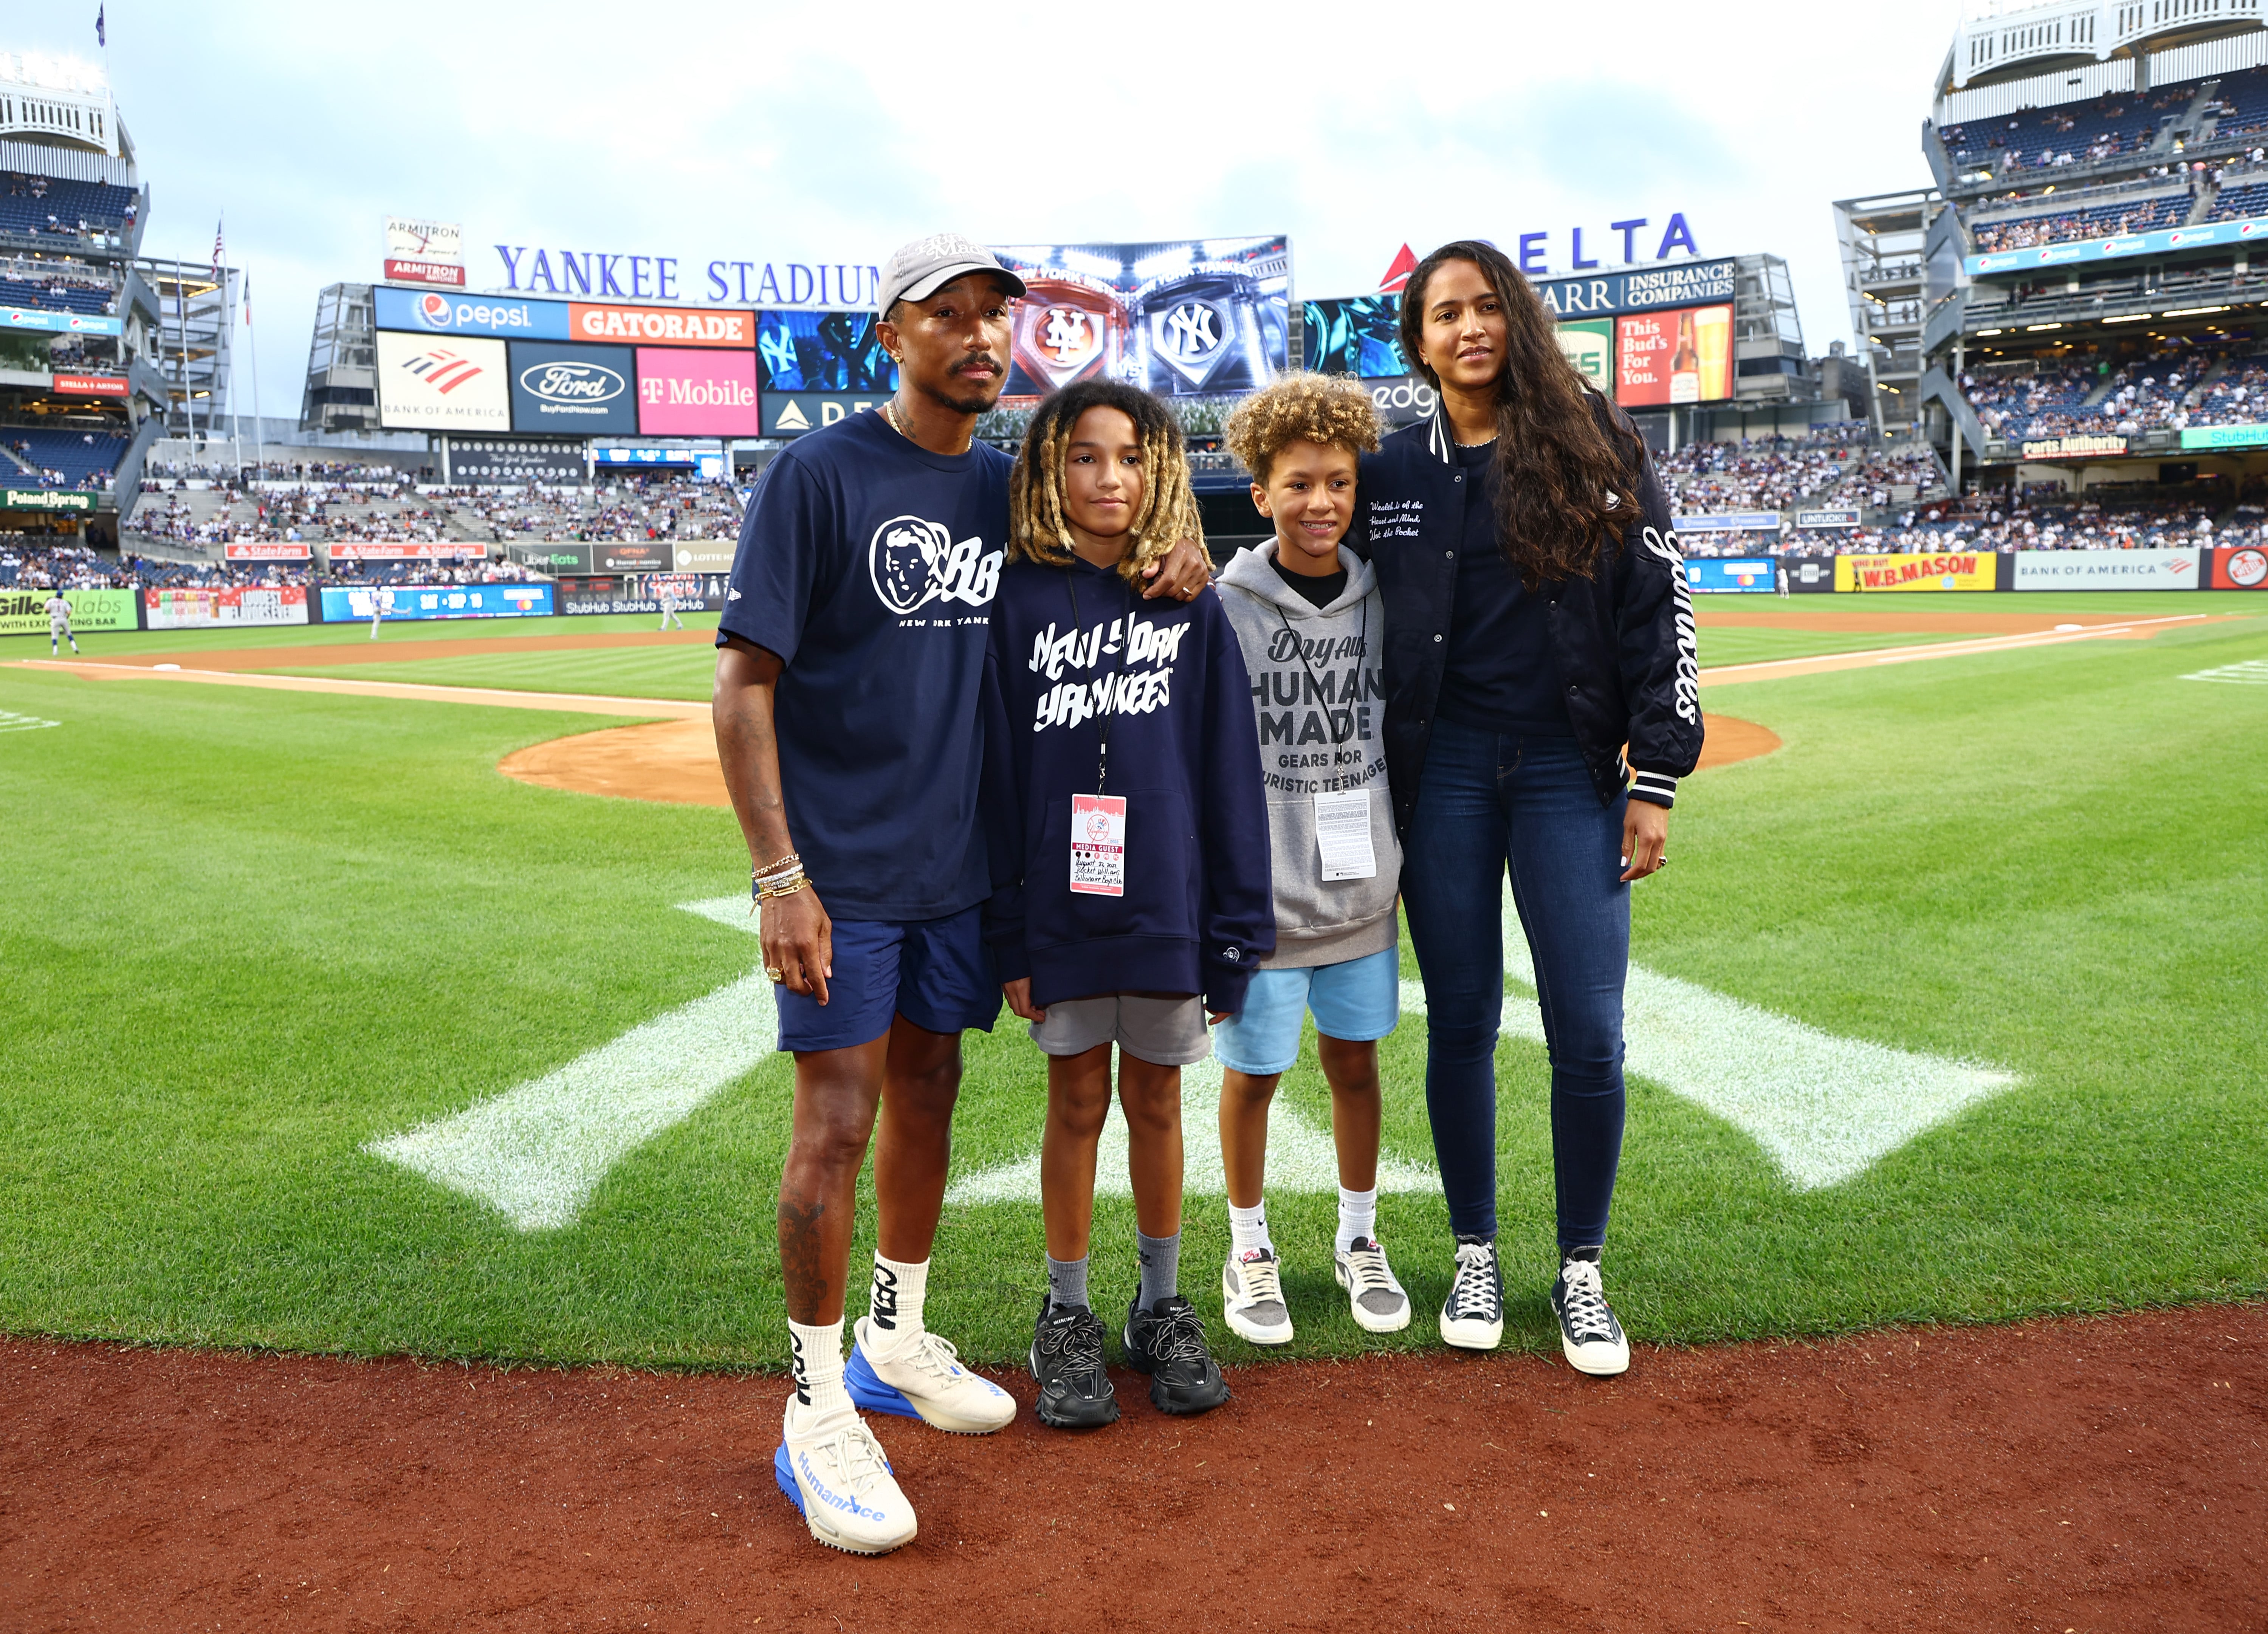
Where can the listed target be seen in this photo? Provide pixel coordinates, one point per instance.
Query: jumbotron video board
(1194, 318)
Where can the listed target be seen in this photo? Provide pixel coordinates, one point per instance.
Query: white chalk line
(536, 1153)
(2251, 673)
(10, 721)
(1825, 1109)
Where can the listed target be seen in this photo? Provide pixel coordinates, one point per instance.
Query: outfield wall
(2186, 568)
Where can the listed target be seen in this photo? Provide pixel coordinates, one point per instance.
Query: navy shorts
(936, 972)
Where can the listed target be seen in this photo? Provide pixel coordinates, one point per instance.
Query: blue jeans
(1487, 803)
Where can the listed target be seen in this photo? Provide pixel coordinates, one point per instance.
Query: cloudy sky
(809, 133)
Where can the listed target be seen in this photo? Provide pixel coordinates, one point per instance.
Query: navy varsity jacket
(1076, 660)
(1622, 641)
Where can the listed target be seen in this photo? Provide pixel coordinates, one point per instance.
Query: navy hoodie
(1198, 914)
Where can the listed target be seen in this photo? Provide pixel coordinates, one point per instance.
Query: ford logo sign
(572, 382)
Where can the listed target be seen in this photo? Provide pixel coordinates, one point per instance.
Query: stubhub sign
(444, 312)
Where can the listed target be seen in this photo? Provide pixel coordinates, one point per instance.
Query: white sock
(1248, 1228)
(893, 1310)
(1358, 1217)
(815, 1354)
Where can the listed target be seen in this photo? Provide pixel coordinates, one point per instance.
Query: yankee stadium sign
(607, 274)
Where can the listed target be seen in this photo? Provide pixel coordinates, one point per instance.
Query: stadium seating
(64, 458)
(57, 294)
(2099, 221)
(51, 204)
(2239, 201)
(2243, 100)
(2071, 133)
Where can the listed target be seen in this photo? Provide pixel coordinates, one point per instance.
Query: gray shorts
(1164, 1031)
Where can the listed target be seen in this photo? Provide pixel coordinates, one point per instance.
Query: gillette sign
(604, 274)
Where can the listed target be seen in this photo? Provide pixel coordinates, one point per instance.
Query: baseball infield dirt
(2074, 1477)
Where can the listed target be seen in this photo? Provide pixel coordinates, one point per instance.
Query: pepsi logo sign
(433, 311)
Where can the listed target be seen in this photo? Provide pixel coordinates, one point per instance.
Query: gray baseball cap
(921, 269)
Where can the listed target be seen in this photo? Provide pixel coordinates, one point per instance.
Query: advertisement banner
(2118, 247)
(1717, 576)
(640, 592)
(1589, 343)
(2073, 447)
(406, 550)
(429, 312)
(345, 603)
(1839, 515)
(2245, 568)
(24, 612)
(675, 326)
(1967, 569)
(623, 556)
(502, 462)
(2224, 436)
(558, 558)
(791, 414)
(1674, 357)
(428, 240)
(1403, 401)
(706, 555)
(236, 607)
(1191, 317)
(1359, 335)
(821, 351)
(696, 394)
(2108, 569)
(59, 322)
(442, 272)
(45, 499)
(573, 390)
(91, 384)
(269, 551)
(1808, 575)
(1679, 284)
(1728, 522)
(442, 385)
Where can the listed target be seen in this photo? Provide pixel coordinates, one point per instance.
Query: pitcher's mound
(676, 760)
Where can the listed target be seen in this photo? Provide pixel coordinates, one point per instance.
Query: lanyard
(1109, 711)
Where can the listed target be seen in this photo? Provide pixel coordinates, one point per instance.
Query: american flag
(216, 248)
(247, 300)
(100, 38)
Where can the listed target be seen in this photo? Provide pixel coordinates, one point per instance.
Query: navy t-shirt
(869, 564)
(1499, 675)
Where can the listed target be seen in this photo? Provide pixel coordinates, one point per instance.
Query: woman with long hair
(1537, 625)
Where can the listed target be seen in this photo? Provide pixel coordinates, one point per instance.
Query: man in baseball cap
(921, 269)
(851, 650)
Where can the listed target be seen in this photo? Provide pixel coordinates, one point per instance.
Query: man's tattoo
(803, 1258)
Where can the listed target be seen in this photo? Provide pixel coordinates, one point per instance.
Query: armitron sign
(2073, 447)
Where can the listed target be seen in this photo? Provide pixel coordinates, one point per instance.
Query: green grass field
(257, 931)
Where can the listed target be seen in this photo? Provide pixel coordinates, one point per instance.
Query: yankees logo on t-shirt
(914, 562)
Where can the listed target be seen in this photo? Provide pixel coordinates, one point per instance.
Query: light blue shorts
(1357, 1001)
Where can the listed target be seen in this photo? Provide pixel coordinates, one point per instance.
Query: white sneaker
(838, 1476)
(1592, 1339)
(927, 1382)
(1379, 1303)
(1252, 1298)
(1472, 1317)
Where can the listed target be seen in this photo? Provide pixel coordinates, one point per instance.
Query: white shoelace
(1474, 1291)
(1368, 1271)
(1262, 1280)
(856, 1458)
(939, 1357)
(1586, 1300)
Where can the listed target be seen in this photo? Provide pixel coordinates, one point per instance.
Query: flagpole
(235, 419)
(259, 427)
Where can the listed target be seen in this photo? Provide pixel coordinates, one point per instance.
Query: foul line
(574, 703)
(1824, 662)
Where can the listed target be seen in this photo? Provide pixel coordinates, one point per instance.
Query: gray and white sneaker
(1472, 1317)
(1252, 1298)
(1589, 1335)
(1377, 1299)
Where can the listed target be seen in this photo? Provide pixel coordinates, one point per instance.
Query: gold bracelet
(789, 889)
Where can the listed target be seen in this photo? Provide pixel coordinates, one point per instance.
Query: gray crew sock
(1161, 1267)
(1066, 1281)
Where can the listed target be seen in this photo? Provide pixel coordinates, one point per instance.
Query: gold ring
(776, 972)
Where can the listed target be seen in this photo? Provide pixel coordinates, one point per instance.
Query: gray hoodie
(1319, 695)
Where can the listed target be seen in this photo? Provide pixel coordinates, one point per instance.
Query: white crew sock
(815, 1355)
(1358, 1217)
(893, 1310)
(1248, 1228)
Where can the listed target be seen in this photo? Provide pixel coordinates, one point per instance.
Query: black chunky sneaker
(1075, 1393)
(1167, 1341)
(1589, 1335)
(1472, 1317)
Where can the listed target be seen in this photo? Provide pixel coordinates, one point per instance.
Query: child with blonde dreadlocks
(1125, 804)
